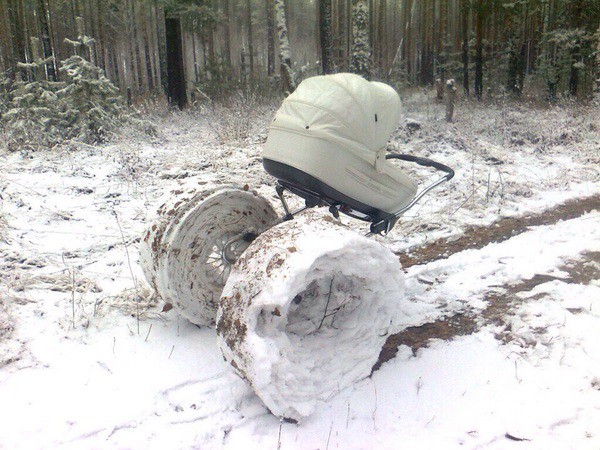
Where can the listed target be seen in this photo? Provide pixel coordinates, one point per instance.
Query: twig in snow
(472, 194)
(329, 436)
(419, 384)
(73, 295)
(114, 343)
(279, 436)
(348, 416)
(137, 301)
(71, 273)
(375, 409)
(148, 334)
(172, 348)
(515, 438)
(327, 304)
(501, 185)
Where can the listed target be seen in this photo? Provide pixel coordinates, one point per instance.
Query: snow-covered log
(183, 253)
(306, 311)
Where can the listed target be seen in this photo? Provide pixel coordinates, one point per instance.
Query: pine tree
(95, 106)
(33, 113)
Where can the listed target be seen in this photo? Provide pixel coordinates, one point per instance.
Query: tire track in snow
(502, 230)
(499, 299)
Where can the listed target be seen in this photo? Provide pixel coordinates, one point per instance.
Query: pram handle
(385, 225)
(425, 162)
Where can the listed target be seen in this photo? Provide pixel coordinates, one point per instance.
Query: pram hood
(343, 108)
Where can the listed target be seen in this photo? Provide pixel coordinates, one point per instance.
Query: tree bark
(175, 72)
(597, 83)
(576, 52)
(270, 38)
(46, 42)
(325, 36)
(285, 57)
(227, 25)
(250, 37)
(360, 62)
(465, 10)
(17, 32)
(479, 49)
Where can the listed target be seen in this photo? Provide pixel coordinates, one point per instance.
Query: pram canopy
(344, 108)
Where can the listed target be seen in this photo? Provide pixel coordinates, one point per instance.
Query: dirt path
(500, 302)
(479, 237)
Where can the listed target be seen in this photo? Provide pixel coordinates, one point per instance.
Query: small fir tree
(33, 112)
(95, 106)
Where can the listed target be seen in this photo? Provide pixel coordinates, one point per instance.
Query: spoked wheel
(225, 252)
(188, 252)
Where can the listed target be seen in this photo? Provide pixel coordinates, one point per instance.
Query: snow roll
(305, 312)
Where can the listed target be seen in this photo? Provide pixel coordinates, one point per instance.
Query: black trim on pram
(316, 193)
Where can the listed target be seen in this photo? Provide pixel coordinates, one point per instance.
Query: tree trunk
(175, 72)
(597, 84)
(360, 62)
(479, 50)
(227, 25)
(46, 42)
(270, 38)
(287, 74)
(576, 52)
(325, 36)
(17, 38)
(162, 47)
(250, 37)
(465, 7)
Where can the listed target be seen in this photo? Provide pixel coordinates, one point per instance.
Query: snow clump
(305, 312)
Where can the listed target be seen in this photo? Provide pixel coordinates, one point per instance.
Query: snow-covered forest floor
(88, 359)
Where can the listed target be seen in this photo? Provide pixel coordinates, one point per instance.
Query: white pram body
(330, 137)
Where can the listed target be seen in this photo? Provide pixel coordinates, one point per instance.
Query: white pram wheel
(188, 251)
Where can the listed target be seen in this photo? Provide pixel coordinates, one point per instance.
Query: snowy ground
(79, 369)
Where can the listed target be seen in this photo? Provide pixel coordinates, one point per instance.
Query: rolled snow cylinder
(306, 311)
(185, 253)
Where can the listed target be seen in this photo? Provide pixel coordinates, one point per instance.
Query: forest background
(188, 50)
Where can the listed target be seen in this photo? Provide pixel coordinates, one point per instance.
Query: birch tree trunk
(285, 57)
(360, 62)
